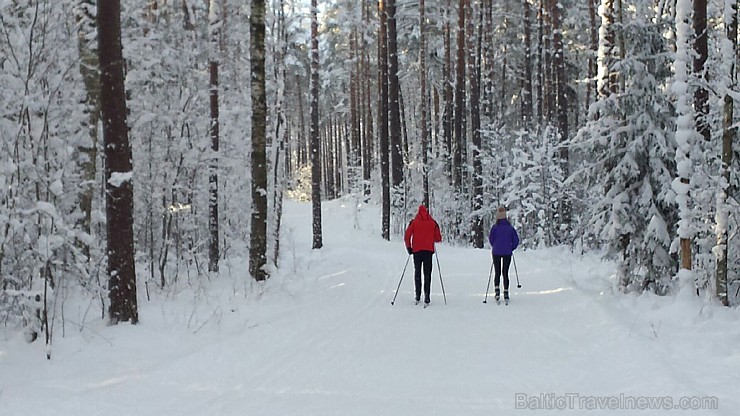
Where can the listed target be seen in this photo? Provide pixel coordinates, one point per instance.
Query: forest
(144, 142)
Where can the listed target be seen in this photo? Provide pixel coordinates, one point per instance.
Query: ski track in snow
(321, 338)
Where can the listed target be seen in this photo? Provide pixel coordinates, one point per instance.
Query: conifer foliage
(606, 125)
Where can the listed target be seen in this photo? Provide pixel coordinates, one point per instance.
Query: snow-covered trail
(323, 339)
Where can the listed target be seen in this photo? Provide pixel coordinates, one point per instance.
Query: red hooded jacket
(422, 232)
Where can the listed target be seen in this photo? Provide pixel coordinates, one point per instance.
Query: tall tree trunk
(368, 133)
(323, 142)
(485, 41)
(527, 115)
(383, 106)
(459, 143)
(474, 64)
(607, 79)
(340, 163)
(561, 105)
(447, 117)
(214, 17)
(546, 66)
(279, 157)
(315, 134)
(685, 130)
(118, 168)
(435, 122)
(396, 147)
(89, 69)
(353, 151)
(331, 190)
(188, 20)
(404, 130)
(617, 78)
(258, 237)
(424, 126)
(701, 53)
(540, 74)
(503, 104)
(591, 85)
(302, 142)
(728, 137)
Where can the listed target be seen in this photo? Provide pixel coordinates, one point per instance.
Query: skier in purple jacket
(504, 240)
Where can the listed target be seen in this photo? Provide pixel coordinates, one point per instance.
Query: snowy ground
(321, 338)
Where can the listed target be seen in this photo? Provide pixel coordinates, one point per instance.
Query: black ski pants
(501, 265)
(423, 258)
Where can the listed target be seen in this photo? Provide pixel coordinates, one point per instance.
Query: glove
(409, 250)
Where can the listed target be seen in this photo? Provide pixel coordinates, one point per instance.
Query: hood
(423, 214)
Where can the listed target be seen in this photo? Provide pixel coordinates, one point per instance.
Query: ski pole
(516, 271)
(489, 282)
(441, 283)
(399, 282)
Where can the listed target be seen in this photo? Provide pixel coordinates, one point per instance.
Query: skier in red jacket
(420, 236)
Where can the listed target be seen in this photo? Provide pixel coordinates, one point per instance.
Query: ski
(506, 302)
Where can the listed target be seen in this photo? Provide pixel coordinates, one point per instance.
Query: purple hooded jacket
(503, 238)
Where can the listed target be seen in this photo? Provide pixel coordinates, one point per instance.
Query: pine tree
(258, 236)
(383, 114)
(629, 159)
(729, 132)
(394, 107)
(281, 128)
(424, 130)
(459, 142)
(118, 168)
(214, 21)
(685, 136)
(89, 69)
(315, 138)
(474, 75)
